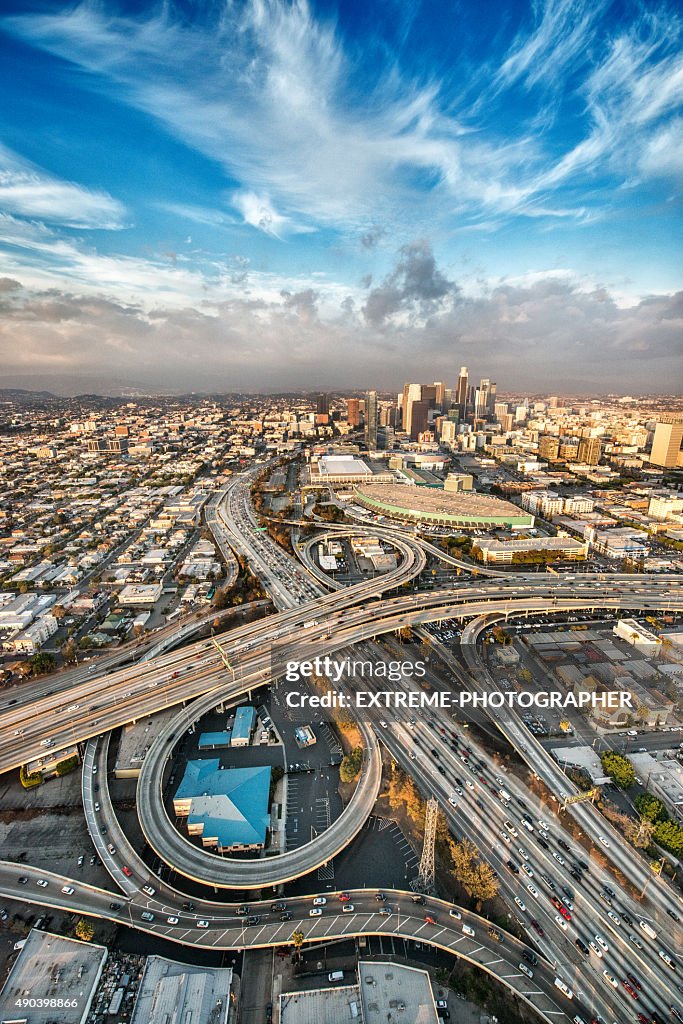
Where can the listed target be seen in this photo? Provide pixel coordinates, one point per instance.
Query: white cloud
(259, 212)
(29, 191)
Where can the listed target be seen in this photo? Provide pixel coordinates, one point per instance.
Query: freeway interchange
(85, 706)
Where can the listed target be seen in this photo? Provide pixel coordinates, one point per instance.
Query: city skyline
(297, 196)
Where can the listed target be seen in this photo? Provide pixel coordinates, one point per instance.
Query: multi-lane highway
(169, 914)
(537, 887)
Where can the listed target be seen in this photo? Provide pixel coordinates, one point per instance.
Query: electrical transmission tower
(425, 878)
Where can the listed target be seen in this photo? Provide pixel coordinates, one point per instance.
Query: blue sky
(263, 194)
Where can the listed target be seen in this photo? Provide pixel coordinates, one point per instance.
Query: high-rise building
(387, 414)
(500, 409)
(371, 420)
(322, 405)
(440, 393)
(353, 412)
(420, 418)
(589, 451)
(411, 393)
(548, 447)
(461, 391)
(492, 397)
(666, 444)
(482, 398)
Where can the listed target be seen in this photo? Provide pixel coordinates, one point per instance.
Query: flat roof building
(338, 1005)
(226, 808)
(392, 991)
(638, 636)
(243, 726)
(171, 991)
(51, 967)
(509, 551)
(213, 740)
(140, 594)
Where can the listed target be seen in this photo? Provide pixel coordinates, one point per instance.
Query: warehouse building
(51, 967)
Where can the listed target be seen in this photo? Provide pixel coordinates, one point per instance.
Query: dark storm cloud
(415, 286)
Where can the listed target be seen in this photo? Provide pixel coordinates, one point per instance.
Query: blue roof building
(228, 807)
(243, 726)
(211, 740)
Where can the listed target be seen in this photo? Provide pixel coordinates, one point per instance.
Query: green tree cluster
(473, 873)
(664, 831)
(351, 765)
(619, 769)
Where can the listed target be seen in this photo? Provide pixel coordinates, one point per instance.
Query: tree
(351, 765)
(85, 930)
(42, 663)
(474, 874)
(669, 835)
(298, 939)
(619, 769)
(69, 652)
(29, 781)
(648, 806)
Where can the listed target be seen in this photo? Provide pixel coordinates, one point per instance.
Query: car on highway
(126, 870)
(581, 946)
(533, 890)
(560, 922)
(97, 806)
(43, 883)
(68, 889)
(454, 912)
(347, 908)
(287, 916)
(604, 841)
(505, 837)
(114, 905)
(320, 901)
(672, 914)
(80, 861)
(149, 889)
(596, 949)
(610, 979)
(614, 917)
(530, 957)
(630, 989)
(172, 919)
(527, 870)
(315, 912)
(520, 904)
(537, 927)
(111, 848)
(601, 942)
(558, 857)
(636, 941)
(634, 981)
(147, 915)
(526, 970)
